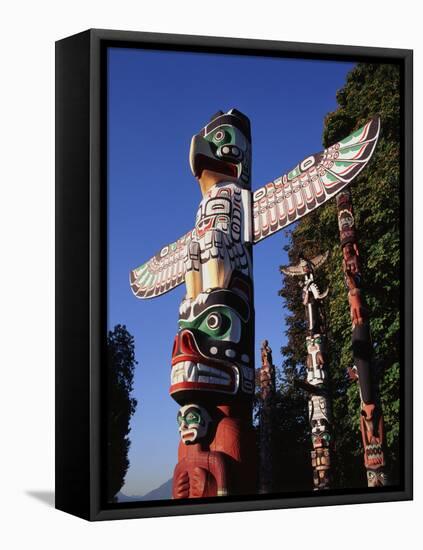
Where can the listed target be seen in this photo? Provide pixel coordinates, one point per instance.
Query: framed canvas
(190, 379)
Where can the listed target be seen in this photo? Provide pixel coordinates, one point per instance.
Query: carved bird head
(223, 146)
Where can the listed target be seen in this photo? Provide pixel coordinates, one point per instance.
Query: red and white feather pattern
(274, 206)
(312, 182)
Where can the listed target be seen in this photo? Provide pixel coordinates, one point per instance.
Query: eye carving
(219, 136)
(214, 321)
(217, 324)
(193, 418)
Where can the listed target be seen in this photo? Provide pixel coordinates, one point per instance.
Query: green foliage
(369, 90)
(120, 406)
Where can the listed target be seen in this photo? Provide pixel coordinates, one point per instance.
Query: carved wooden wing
(320, 259)
(293, 270)
(304, 266)
(312, 182)
(162, 272)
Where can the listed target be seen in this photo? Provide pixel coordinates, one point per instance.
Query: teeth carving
(191, 371)
(188, 371)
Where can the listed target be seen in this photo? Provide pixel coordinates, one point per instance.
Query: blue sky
(156, 102)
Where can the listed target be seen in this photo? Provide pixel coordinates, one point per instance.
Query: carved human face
(223, 146)
(212, 353)
(193, 422)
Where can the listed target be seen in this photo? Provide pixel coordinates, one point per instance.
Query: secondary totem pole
(212, 374)
(371, 419)
(266, 378)
(319, 410)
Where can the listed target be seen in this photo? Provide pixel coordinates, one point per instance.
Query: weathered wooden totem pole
(371, 419)
(212, 374)
(267, 384)
(319, 409)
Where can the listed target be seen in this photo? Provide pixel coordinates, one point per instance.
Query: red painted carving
(200, 474)
(222, 462)
(371, 419)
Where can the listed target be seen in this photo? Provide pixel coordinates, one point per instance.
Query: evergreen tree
(120, 405)
(370, 89)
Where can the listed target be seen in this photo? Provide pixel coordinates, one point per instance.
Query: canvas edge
(72, 213)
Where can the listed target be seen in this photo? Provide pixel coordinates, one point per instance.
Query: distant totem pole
(371, 419)
(267, 383)
(212, 374)
(319, 409)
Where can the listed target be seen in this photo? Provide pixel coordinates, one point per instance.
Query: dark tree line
(120, 405)
(370, 89)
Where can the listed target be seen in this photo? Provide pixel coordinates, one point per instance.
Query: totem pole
(212, 374)
(266, 378)
(371, 419)
(319, 410)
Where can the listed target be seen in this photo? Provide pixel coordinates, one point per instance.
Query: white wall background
(28, 31)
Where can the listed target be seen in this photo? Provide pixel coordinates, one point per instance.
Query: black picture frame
(81, 255)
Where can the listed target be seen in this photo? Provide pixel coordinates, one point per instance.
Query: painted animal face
(224, 146)
(319, 421)
(372, 431)
(375, 478)
(193, 422)
(212, 354)
(314, 344)
(320, 437)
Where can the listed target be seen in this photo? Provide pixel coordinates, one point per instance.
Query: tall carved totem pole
(267, 383)
(319, 409)
(371, 419)
(212, 366)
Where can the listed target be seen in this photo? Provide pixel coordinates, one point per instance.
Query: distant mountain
(124, 498)
(163, 492)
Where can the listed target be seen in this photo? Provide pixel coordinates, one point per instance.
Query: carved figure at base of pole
(201, 472)
(212, 455)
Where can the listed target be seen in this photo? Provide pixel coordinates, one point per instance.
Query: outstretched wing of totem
(293, 270)
(305, 265)
(163, 272)
(312, 182)
(319, 260)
